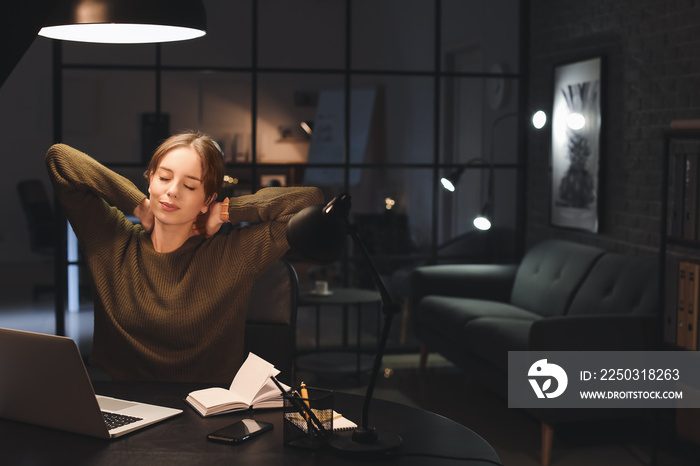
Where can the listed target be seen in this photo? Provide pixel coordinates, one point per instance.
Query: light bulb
(482, 223)
(539, 119)
(447, 184)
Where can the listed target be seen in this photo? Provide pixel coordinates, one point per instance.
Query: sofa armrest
(479, 281)
(594, 333)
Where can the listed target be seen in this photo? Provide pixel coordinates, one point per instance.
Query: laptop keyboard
(118, 420)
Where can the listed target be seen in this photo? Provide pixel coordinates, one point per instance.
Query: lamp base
(351, 445)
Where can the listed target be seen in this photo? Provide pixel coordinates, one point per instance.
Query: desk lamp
(318, 233)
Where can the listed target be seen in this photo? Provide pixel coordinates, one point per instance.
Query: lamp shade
(483, 220)
(317, 234)
(450, 181)
(126, 21)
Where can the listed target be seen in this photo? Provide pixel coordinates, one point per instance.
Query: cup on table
(321, 287)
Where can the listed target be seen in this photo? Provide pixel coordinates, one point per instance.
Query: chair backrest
(38, 212)
(272, 315)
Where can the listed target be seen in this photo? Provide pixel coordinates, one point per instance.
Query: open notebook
(43, 381)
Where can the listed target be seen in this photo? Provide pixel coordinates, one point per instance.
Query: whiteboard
(327, 139)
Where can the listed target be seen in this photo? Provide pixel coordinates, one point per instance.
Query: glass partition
(267, 66)
(301, 34)
(393, 35)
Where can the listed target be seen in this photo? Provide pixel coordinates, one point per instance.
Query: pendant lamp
(126, 21)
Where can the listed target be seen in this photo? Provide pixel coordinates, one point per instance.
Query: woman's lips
(169, 207)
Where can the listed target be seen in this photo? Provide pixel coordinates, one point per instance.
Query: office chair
(38, 212)
(272, 316)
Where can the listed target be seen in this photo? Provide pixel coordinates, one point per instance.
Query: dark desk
(181, 440)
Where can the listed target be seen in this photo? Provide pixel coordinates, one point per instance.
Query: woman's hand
(144, 213)
(210, 222)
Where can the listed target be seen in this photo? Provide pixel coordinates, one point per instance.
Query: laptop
(43, 381)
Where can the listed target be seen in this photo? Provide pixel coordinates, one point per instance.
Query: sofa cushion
(549, 275)
(448, 315)
(619, 284)
(492, 337)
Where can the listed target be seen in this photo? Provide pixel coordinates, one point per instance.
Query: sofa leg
(547, 440)
(423, 357)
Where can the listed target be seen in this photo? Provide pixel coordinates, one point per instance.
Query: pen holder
(308, 422)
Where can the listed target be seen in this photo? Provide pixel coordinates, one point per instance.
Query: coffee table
(339, 361)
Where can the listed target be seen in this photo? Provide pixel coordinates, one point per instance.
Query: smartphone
(240, 431)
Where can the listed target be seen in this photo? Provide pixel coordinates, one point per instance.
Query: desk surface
(181, 440)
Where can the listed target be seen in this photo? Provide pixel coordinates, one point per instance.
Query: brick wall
(651, 50)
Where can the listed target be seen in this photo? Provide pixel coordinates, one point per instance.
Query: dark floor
(442, 389)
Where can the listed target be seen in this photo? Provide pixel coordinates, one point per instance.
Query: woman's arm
(272, 204)
(88, 190)
(258, 208)
(267, 212)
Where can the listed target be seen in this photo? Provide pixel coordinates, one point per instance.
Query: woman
(170, 295)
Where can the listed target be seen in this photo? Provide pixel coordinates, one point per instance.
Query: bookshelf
(679, 251)
(679, 244)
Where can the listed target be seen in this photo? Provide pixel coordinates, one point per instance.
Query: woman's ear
(208, 203)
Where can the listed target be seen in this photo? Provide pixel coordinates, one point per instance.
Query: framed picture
(575, 162)
(279, 179)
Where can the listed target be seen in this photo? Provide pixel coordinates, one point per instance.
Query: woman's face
(176, 190)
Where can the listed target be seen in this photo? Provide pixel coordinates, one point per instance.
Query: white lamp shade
(126, 21)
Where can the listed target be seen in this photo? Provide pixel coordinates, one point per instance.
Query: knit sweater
(177, 316)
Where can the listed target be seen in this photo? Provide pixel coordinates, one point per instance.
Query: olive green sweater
(175, 316)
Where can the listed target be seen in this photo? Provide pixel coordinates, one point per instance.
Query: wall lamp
(308, 127)
(126, 21)
(449, 182)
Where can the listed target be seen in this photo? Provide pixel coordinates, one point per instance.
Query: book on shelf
(682, 293)
(691, 305)
(688, 294)
(670, 304)
(252, 387)
(690, 204)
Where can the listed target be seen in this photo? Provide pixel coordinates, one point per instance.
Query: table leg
(359, 346)
(345, 326)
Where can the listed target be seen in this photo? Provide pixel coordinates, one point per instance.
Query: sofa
(562, 296)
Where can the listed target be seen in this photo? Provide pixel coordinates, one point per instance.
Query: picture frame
(274, 179)
(576, 149)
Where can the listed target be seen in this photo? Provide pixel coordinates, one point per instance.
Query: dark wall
(651, 50)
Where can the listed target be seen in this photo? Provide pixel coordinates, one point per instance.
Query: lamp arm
(365, 434)
(387, 300)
